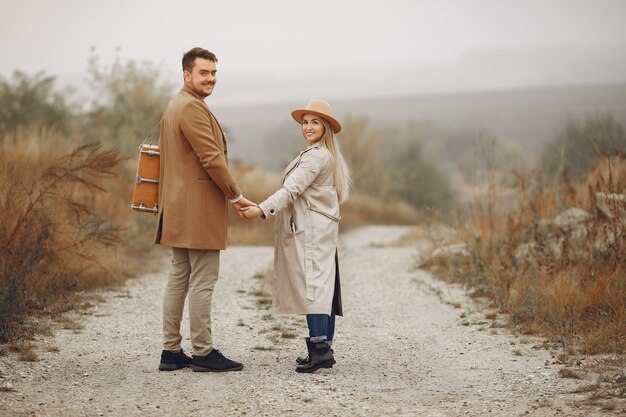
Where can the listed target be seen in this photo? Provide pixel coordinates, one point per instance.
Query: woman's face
(312, 128)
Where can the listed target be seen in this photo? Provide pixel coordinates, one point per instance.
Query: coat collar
(190, 91)
(294, 163)
(316, 145)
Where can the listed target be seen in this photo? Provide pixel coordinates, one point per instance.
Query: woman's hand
(252, 212)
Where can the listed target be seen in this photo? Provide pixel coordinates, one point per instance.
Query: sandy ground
(403, 349)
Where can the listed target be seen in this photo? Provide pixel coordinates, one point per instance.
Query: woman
(306, 270)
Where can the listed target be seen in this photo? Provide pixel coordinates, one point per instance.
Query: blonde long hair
(341, 171)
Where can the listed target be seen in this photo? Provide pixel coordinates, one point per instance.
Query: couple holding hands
(195, 189)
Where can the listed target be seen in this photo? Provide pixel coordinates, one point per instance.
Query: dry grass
(577, 296)
(69, 324)
(52, 348)
(25, 350)
(288, 334)
(569, 373)
(28, 356)
(264, 348)
(491, 316)
(62, 229)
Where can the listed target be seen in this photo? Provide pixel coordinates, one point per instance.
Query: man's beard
(201, 87)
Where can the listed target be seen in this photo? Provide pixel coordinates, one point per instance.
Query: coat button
(272, 211)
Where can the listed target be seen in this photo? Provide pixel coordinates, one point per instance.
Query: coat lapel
(290, 167)
(219, 128)
(214, 121)
(294, 164)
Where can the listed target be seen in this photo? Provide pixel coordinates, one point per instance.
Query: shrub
(131, 98)
(576, 148)
(28, 101)
(572, 287)
(51, 235)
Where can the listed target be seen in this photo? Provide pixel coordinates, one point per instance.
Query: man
(194, 191)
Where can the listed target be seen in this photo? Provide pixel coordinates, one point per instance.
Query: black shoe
(214, 362)
(172, 361)
(303, 360)
(320, 356)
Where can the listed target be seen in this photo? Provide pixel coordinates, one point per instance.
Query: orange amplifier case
(146, 195)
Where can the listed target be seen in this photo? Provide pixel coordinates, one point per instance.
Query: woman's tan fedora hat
(320, 108)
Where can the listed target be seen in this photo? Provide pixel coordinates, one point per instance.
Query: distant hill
(529, 117)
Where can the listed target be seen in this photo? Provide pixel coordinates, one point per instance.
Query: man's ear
(187, 76)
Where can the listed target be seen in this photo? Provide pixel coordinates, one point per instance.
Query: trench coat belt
(331, 217)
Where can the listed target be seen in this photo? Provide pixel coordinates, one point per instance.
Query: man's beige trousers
(194, 272)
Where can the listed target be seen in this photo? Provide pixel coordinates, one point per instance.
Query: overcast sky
(278, 48)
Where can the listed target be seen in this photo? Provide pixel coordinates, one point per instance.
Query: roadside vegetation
(65, 188)
(547, 247)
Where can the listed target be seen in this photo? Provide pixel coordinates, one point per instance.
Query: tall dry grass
(572, 286)
(55, 237)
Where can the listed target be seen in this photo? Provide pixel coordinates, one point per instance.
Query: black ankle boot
(302, 360)
(320, 356)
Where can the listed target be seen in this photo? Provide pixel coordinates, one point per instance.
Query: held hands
(240, 205)
(252, 212)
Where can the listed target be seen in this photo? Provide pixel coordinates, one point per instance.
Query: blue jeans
(321, 326)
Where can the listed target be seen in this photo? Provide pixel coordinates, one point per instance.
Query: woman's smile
(312, 128)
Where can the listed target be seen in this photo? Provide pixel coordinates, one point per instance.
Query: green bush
(391, 165)
(412, 178)
(130, 100)
(28, 101)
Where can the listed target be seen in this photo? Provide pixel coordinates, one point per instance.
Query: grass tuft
(569, 373)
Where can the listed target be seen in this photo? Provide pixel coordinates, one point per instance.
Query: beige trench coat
(195, 181)
(306, 234)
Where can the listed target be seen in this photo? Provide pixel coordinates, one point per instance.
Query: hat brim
(298, 114)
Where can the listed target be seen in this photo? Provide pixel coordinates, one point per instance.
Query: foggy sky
(280, 49)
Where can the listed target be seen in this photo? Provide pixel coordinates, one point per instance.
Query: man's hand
(239, 205)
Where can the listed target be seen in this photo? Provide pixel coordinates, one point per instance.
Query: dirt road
(403, 349)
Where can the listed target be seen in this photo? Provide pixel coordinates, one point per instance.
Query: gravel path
(402, 349)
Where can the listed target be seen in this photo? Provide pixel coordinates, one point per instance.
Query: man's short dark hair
(189, 58)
